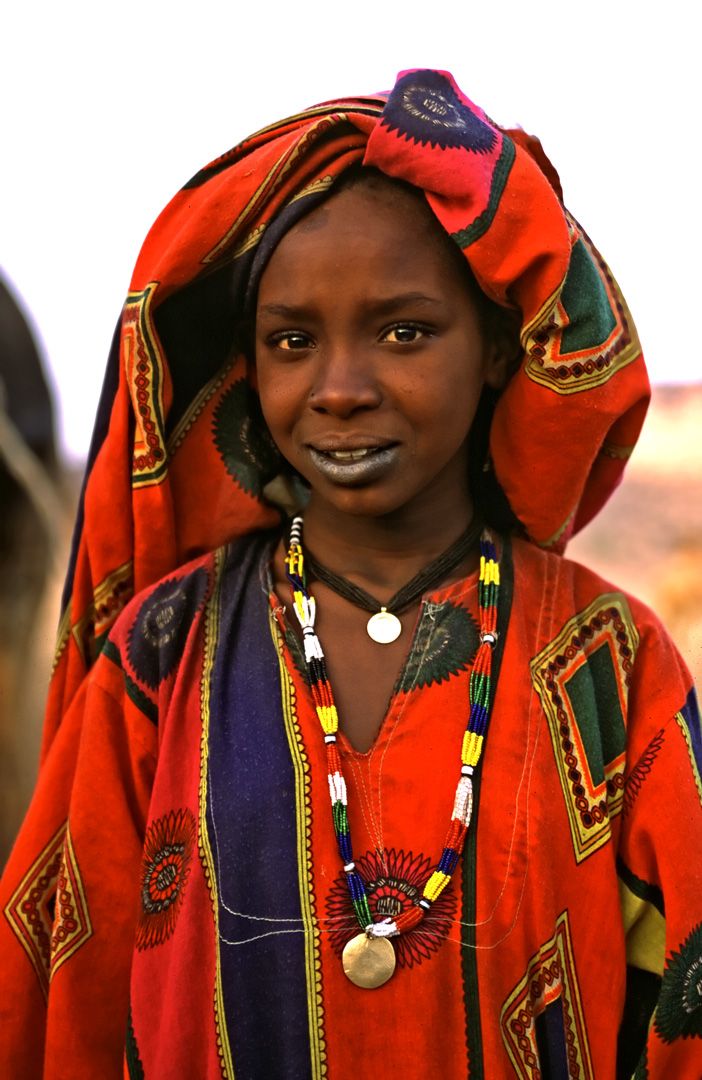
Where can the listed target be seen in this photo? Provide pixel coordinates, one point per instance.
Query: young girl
(378, 782)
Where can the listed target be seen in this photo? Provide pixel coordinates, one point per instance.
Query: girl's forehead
(356, 208)
(374, 225)
(372, 200)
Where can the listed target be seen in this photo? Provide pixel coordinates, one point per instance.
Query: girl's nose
(345, 383)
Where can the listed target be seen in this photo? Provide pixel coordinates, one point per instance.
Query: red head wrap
(179, 456)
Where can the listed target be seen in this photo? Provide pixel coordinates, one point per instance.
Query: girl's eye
(404, 334)
(291, 341)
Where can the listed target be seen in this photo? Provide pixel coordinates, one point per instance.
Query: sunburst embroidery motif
(394, 881)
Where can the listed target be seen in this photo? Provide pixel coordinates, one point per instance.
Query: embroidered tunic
(201, 906)
(175, 900)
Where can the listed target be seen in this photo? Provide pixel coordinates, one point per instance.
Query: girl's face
(370, 355)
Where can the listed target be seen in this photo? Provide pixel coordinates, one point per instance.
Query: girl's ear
(504, 348)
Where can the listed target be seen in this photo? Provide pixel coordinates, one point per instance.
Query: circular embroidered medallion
(393, 884)
(425, 108)
(168, 849)
(242, 439)
(679, 1010)
(158, 634)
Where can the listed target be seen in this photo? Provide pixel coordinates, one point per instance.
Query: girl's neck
(382, 552)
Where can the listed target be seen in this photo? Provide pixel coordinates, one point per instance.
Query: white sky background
(109, 107)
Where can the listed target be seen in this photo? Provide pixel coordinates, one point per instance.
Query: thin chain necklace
(369, 958)
(384, 625)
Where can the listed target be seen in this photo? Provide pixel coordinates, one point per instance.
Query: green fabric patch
(642, 1067)
(446, 642)
(140, 699)
(242, 439)
(296, 652)
(465, 237)
(679, 1012)
(592, 691)
(110, 650)
(584, 297)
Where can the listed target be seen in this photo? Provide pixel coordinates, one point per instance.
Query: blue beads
(448, 861)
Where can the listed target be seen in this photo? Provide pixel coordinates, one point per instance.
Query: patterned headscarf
(180, 454)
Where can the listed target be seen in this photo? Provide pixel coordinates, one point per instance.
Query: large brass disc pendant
(384, 627)
(368, 961)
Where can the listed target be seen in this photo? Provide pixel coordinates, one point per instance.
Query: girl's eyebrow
(375, 305)
(390, 303)
(285, 311)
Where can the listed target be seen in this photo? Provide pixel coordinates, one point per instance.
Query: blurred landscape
(647, 540)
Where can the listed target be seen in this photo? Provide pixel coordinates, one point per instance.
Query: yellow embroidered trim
(206, 857)
(550, 975)
(323, 183)
(63, 633)
(109, 597)
(550, 679)
(72, 926)
(145, 373)
(688, 742)
(273, 181)
(29, 910)
(555, 537)
(303, 815)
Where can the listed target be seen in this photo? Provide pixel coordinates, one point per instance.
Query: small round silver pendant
(384, 627)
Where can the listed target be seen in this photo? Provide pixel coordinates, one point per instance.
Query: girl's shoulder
(587, 624)
(569, 584)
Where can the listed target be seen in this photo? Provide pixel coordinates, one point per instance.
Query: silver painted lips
(354, 467)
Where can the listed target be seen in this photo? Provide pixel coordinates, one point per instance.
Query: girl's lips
(354, 467)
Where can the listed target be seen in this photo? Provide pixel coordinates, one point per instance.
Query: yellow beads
(293, 560)
(328, 719)
(489, 571)
(299, 601)
(436, 885)
(472, 747)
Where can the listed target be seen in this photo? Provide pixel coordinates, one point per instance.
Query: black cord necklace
(384, 625)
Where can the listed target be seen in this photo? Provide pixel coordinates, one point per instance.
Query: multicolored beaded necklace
(369, 958)
(384, 626)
